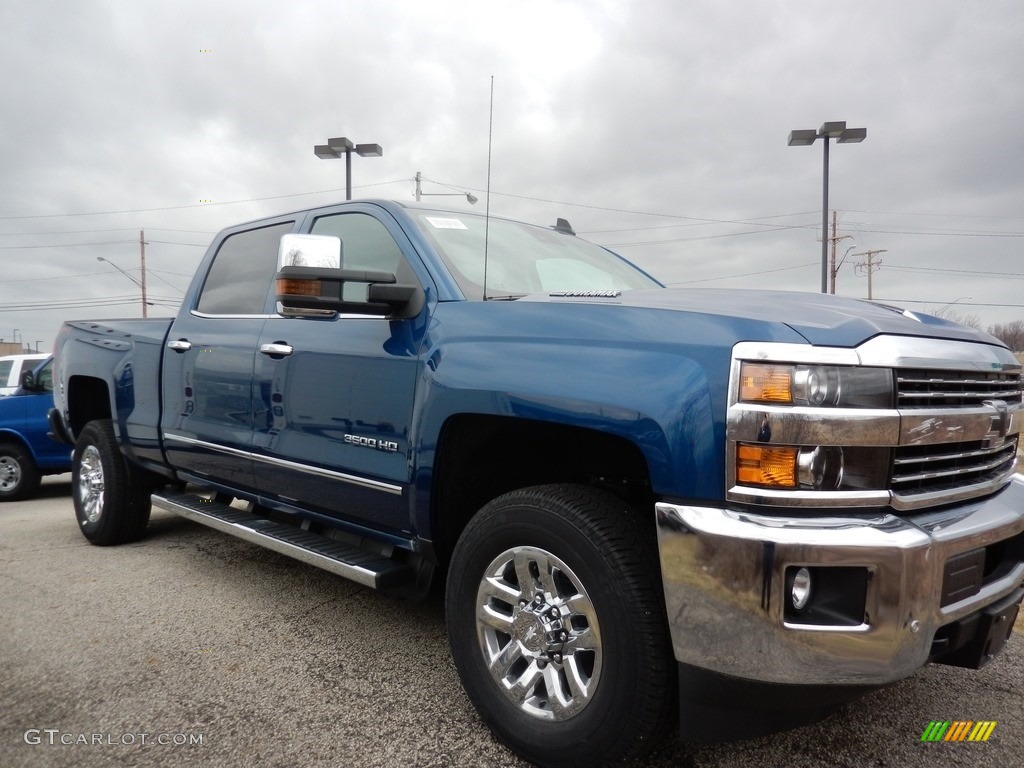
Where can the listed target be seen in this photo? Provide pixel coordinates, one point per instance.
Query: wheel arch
(87, 399)
(480, 457)
(10, 437)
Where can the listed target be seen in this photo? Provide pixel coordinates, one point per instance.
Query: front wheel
(111, 496)
(557, 625)
(19, 477)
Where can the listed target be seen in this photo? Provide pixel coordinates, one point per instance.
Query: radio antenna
(487, 206)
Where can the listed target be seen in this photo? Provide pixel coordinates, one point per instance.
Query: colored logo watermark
(958, 730)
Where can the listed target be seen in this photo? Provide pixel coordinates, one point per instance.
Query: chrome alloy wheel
(90, 484)
(10, 473)
(538, 633)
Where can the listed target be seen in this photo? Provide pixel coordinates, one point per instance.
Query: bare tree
(948, 313)
(1011, 334)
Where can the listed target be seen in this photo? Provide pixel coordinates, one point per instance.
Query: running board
(366, 568)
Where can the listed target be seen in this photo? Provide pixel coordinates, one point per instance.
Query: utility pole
(142, 252)
(418, 178)
(834, 268)
(870, 266)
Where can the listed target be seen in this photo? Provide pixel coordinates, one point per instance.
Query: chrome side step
(366, 568)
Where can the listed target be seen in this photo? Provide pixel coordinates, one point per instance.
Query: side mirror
(310, 281)
(28, 381)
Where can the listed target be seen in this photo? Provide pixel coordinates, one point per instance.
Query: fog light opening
(800, 591)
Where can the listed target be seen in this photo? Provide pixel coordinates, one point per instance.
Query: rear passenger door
(207, 377)
(332, 417)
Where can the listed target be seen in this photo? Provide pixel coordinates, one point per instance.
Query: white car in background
(11, 368)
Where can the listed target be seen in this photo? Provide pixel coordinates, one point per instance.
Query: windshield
(523, 258)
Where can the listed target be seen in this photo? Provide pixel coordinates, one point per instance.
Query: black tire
(19, 477)
(111, 496)
(600, 679)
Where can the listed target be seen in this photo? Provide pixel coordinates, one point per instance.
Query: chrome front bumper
(724, 576)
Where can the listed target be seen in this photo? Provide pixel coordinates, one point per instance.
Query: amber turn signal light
(772, 467)
(291, 287)
(760, 383)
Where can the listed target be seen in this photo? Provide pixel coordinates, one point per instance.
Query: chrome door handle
(276, 348)
(180, 345)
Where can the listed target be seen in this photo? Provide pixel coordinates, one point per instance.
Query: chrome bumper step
(366, 568)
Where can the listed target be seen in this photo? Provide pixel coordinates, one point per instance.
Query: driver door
(332, 416)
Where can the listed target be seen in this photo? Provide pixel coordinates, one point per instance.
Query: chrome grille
(945, 466)
(926, 388)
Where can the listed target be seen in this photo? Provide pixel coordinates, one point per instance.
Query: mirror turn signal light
(287, 286)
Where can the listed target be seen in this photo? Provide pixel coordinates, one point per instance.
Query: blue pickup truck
(26, 453)
(731, 510)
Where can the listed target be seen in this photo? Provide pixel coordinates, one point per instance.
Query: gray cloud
(615, 110)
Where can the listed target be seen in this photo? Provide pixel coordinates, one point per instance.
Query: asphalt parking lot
(194, 648)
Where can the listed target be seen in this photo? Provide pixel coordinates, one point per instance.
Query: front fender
(643, 375)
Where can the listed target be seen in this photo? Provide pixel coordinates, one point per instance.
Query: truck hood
(822, 319)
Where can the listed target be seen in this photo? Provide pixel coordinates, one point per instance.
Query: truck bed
(126, 354)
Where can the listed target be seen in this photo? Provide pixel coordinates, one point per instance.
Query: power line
(194, 205)
(621, 210)
(745, 274)
(947, 233)
(62, 245)
(134, 300)
(705, 220)
(165, 272)
(115, 297)
(959, 303)
(703, 237)
(957, 271)
(151, 274)
(55, 277)
(112, 301)
(115, 229)
(109, 242)
(941, 215)
(694, 224)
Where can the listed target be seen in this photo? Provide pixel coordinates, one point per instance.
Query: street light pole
(142, 257)
(824, 215)
(843, 135)
(836, 267)
(468, 195)
(134, 280)
(938, 312)
(340, 147)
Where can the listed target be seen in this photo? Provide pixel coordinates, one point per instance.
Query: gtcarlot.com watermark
(57, 737)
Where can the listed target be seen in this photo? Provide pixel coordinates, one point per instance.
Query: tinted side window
(365, 242)
(5, 371)
(242, 271)
(45, 377)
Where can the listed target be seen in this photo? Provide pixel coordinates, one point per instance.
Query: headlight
(826, 386)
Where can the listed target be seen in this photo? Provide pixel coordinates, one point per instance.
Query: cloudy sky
(656, 126)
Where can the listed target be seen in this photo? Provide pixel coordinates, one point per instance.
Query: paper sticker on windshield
(439, 223)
